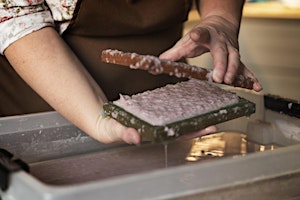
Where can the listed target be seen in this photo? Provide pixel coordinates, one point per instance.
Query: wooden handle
(154, 65)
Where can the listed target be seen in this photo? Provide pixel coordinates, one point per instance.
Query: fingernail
(134, 139)
(257, 87)
(211, 129)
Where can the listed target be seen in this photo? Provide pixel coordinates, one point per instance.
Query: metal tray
(168, 132)
(47, 141)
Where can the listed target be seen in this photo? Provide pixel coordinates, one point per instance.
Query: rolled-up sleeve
(19, 18)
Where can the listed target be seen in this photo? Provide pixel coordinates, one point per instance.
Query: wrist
(220, 21)
(229, 10)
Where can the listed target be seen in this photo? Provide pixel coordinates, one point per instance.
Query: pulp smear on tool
(177, 102)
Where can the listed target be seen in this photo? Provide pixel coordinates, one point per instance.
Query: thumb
(111, 131)
(172, 54)
(194, 43)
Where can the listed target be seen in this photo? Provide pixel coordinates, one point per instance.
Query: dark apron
(141, 26)
(16, 97)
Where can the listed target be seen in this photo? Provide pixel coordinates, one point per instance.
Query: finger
(177, 51)
(220, 56)
(233, 64)
(246, 72)
(131, 136)
(200, 35)
(257, 86)
(172, 54)
(208, 130)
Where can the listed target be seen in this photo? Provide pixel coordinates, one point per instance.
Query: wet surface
(110, 163)
(224, 144)
(145, 158)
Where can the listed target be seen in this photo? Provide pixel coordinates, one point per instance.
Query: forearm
(231, 10)
(46, 63)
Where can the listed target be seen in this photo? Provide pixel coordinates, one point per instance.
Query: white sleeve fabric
(18, 27)
(22, 17)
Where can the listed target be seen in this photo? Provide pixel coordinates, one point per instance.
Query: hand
(111, 131)
(220, 37)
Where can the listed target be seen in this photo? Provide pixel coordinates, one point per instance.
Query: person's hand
(111, 131)
(220, 37)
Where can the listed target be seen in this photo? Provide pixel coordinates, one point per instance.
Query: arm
(231, 10)
(47, 64)
(216, 32)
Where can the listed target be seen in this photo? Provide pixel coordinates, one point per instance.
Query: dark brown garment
(16, 97)
(142, 26)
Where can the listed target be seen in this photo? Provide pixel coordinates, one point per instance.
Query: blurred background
(269, 45)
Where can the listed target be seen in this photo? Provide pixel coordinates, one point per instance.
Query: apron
(16, 97)
(141, 26)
